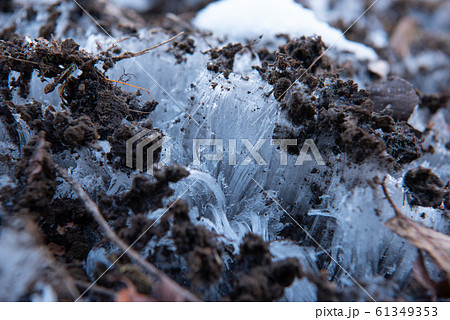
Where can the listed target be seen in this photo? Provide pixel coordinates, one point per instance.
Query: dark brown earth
(47, 30)
(93, 109)
(329, 106)
(434, 102)
(222, 60)
(355, 122)
(259, 278)
(182, 47)
(426, 188)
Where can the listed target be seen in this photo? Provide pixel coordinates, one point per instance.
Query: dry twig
(83, 285)
(165, 288)
(127, 55)
(37, 161)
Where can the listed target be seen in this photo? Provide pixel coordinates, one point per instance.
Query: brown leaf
(403, 36)
(436, 244)
(130, 294)
(422, 276)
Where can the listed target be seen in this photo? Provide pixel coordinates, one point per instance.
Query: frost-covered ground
(343, 232)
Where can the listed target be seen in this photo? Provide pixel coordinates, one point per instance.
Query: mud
(183, 47)
(47, 30)
(222, 60)
(259, 278)
(425, 188)
(36, 178)
(327, 106)
(96, 106)
(434, 102)
(352, 121)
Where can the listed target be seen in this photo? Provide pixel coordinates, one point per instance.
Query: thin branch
(127, 55)
(139, 111)
(398, 213)
(22, 60)
(166, 288)
(83, 285)
(115, 44)
(37, 161)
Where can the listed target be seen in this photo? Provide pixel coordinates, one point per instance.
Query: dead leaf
(404, 34)
(436, 244)
(130, 294)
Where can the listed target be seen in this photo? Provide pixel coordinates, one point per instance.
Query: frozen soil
(317, 99)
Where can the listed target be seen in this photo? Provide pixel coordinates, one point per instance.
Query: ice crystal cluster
(232, 200)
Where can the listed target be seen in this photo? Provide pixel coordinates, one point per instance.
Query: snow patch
(248, 19)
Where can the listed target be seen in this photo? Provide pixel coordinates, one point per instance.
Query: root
(131, 85)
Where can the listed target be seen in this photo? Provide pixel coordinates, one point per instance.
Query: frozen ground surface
(226, 198)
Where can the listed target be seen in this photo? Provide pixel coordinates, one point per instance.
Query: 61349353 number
(407, 311)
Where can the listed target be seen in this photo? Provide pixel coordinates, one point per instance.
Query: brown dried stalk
(127, 55)
(37, 161)
(165, 288)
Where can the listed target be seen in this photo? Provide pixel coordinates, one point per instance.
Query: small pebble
(380, 68)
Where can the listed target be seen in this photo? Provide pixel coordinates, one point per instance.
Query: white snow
(248, 19)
